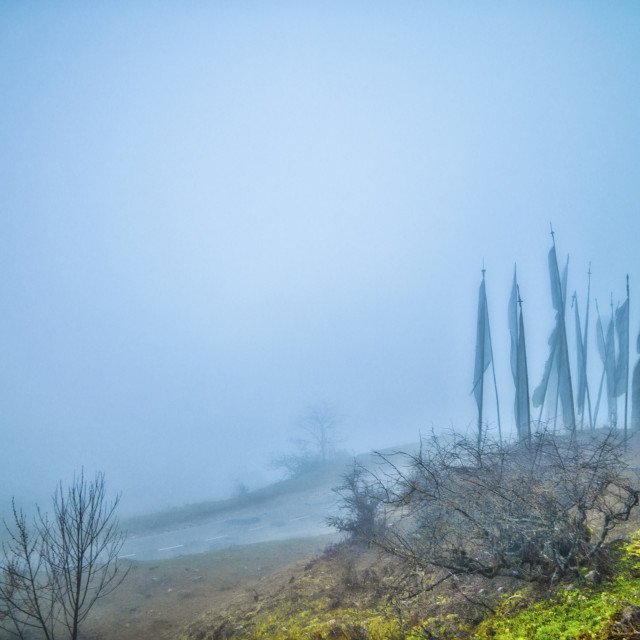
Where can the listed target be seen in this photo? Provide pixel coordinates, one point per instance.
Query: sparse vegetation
(352, 594)
(577, 611)
(343, 593)
(197, 594)
(536, 511)
(361, 504)
(355, 592)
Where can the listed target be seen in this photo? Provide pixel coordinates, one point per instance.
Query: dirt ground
(158, 600)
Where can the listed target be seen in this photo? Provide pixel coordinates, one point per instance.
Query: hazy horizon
(214, 215)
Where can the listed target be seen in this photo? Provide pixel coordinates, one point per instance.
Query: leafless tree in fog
(55, 571)
(318, 427)
(316, 440)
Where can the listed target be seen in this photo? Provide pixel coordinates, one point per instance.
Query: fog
(216, 214)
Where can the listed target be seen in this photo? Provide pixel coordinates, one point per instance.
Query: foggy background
(215, 214)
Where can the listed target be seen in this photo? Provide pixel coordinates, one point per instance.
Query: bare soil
(159, 600)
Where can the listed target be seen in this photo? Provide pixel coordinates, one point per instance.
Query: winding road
(292, 515)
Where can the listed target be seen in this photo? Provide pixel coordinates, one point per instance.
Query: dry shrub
(536, 511)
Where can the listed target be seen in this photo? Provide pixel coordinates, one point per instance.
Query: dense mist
(215, 215)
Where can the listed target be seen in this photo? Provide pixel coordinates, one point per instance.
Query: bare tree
(315, 443)
(534, 511)
(318, 427)
(54, 572)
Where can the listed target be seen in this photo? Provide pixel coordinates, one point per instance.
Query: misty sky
(214, 214)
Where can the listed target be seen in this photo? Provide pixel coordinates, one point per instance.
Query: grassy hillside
(353, 594)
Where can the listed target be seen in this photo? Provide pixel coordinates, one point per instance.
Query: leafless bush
(54, 571)
(361, 505)
(537, 511)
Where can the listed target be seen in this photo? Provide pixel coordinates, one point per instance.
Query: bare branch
(54, 572)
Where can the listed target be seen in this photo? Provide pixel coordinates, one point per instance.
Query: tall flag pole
(602, 350)
(565, 385)
(607, 350)
(519, 363)
(585, 344)
(512, 313)
(495, 387)
(622, 364)
(484, 357)
(558, 361)
(581, 341)
(523, 411)
(540, 392)
(612, 392)
(581, 361)
(635, 392)
(626, 388)
(483, 353)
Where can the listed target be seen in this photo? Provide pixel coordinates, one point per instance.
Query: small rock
(592, 576)
(629, 615)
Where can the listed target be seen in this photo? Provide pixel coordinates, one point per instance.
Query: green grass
(313, 622)
(581, 611)
(576, 612)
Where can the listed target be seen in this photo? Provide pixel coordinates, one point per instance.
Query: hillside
(313, 588)
(177, 574)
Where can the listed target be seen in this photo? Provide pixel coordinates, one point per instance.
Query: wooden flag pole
(495, 384)
(604, 370)
(526, 373)
(482, 361)
(584, 349)
(626, 381)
